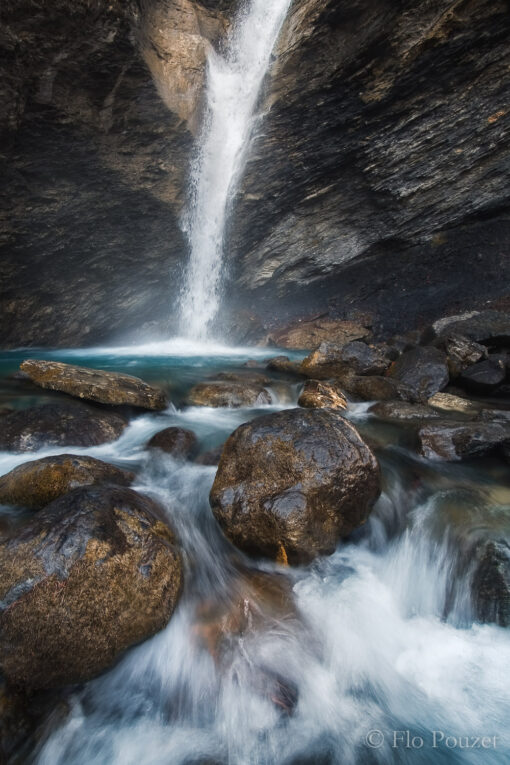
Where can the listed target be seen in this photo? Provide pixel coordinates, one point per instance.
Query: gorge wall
(377, 184)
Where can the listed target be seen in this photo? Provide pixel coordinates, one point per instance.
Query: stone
(307, 335)
(376, 388)
(228, 394)
(318, 395)
(252, 378)
(94, 384)
(491, 583)
(454, 441)
(73, 424)
(36, 483)
(364, 359)
(462, 353)
(283, 364)
(423, 370)
(294, 483)
(95, 572)
(447, 402)
(488, 327)
(403, 411)
(178, 442)
(485, 377)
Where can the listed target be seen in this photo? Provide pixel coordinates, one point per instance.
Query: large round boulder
(37, 483)
(291, 484)
(72, 424)
(92, 574)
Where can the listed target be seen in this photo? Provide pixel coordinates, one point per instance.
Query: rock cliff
(377, 181)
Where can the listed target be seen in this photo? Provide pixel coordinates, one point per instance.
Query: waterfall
(234, 80)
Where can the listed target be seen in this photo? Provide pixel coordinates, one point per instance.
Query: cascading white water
(234, 81)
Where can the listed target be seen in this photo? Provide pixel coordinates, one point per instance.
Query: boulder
(94, 384)
(491, 583)
(319, 395)
(92, 574)
(484, 377)
(447, 402)
(390, 411)
(376, 388)
(293, 483)
(423, 370)
(283, 364)
(228, 394)
(487, 327)
(454, 441)
(178, 442)
(307, 335)
(462, 353)
(37, 483)
(59, 425)
(355, 358)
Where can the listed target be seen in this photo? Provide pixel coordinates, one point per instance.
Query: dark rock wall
(378, 181)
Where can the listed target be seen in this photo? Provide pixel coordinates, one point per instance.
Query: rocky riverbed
(354, 463)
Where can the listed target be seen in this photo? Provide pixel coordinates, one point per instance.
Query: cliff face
(378, 180)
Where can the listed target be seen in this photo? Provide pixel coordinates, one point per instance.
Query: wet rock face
(453, 441)
(228, 394)
(491, 583)
(35, 484)
(423, 371)
(296, 481)
(178, 442)
(94, 384)
(92, 574)
(74, 424)
(320, 395)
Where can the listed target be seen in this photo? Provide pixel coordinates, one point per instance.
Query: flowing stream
(234, 80)
(381, 637)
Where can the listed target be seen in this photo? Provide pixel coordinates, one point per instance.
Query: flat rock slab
(94, 384)
(73, 424)
(37, 483)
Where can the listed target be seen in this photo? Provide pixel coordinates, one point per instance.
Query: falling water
(234, 81)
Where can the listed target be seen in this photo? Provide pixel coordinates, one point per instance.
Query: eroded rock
(403, 410)
(92, 574)
(37, 483)
(485, 376)
(423, 370)
(298, 480)
(94, 384)
(454, 441)
(307, 335)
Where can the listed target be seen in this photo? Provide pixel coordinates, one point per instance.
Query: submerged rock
(178, 442)
(228, 394)
(210, 457)
(94, 384)
(423, 370)
(37, 483)
(252, 378)
(454, 441)
(92, 574)
(320, 395)
(298, 481)
(70, 424)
